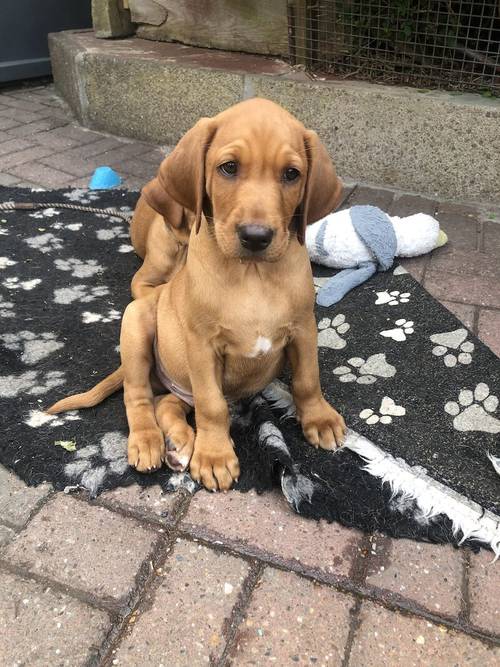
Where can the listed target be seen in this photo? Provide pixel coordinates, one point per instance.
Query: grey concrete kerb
(437, 143)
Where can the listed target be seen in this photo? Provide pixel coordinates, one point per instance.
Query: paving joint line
(143, 595)
(475, 319)
(464, 614)
(238, 614)
(178, 512)
(12, 526)
(12, 138)
(139, 519)
(353, 629)
(427, 261)
(106, 604)
(344, 584)
(37, 507)
(32, 161)
(147, 581)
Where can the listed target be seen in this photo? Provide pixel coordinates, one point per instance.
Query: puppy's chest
(257, 319)
(256, 334)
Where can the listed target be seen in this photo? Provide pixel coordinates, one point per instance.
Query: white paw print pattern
(26, 285)
(473, 410)
(6, 308)
(5, 262)
(79, 268)
(45, 242)
(453, 347)
(73, 226)
(82, 293)
(112, 233)
(37, 418)
(45, 213)
(330, 330)
(388, 409)
(393, 298)
(31, 382)
(91, 318)
(125, 248)
(35, 347)
(365, 372)
(81, 196)
(403, 329)
(126, 210)
(111, 458)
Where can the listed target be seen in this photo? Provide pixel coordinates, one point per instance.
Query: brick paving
(136, 577)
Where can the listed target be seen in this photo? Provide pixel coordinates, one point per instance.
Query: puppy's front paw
(146, 449)
(323, 426)
(214, 462)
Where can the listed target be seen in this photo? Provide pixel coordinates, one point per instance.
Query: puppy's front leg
(321, 424)
(146, 445)
(214, 462)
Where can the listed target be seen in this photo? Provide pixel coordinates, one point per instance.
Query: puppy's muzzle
(255, 238)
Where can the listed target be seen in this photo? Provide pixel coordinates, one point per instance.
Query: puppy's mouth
(272, 253)
(251, 245)
(250, 257)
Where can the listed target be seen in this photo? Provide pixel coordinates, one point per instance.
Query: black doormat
(417, 389)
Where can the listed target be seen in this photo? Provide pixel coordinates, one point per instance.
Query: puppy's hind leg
(146, 446)
(171, 413)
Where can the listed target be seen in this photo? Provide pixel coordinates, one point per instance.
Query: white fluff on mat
(411, 483)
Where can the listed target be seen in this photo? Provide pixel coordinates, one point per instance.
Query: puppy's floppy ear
(159, 200)
(182, 173)
(323, 188)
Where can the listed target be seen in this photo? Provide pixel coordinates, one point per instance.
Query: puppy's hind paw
(179, 449)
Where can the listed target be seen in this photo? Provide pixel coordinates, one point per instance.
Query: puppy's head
(256, 173)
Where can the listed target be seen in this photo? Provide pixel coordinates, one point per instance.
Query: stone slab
(266, 526)
(428, 574)
(464, 313)
(484, 592)
(40, 626)
(474, 290)
(183, 622)
(149, 502)
(291, 620)
(110, 18)
(17, 501)
(489, 328)
(84, 546)
(6, 535)
(392, 640)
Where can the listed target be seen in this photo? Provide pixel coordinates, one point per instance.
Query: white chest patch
(262, 346)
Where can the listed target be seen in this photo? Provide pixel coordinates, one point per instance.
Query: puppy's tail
(91, 397)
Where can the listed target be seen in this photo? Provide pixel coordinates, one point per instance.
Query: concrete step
(437, 143)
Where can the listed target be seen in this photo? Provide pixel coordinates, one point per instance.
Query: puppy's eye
(291, 174)
(228, 168)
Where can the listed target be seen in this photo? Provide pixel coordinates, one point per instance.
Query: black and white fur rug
(417, 389)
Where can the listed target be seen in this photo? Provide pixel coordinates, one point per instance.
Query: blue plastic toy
(104, 178)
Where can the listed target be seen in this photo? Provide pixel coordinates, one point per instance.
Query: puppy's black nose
(255, 237)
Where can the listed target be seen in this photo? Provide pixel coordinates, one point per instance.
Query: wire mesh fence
(423, 43)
